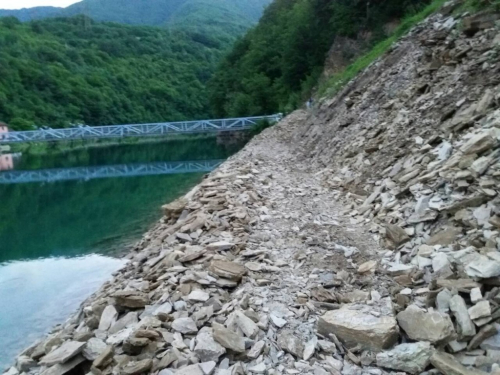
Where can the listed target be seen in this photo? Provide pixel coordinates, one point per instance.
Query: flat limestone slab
(63, 354)
(354, 326)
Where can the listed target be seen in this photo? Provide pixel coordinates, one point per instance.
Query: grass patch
(337, 81)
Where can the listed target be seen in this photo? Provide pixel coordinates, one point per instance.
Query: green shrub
(260, 127)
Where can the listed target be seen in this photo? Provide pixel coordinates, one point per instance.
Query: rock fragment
(411, 358)
(448, 365)
(396, 235)
(459, 309)
(431, 326)
(228, 339)
(185, 325)
(63, 354)
(108, 318)
(291, 343)
(207, 349)
(228, 270)
(355, 327)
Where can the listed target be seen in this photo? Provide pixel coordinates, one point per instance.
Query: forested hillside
(59, 72)
(275, 66)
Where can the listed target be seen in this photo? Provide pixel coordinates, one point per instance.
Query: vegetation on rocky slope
(275, 66)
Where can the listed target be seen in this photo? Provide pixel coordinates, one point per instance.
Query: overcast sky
(18, 4)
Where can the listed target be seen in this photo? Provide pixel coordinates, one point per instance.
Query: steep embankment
(360, 238)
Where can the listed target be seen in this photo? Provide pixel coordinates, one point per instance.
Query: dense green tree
(276, 64)
(64, 71)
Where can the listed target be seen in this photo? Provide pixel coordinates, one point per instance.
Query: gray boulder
(431, 326)
(354, 326)
(412, 358)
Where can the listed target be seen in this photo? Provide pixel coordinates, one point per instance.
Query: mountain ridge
(29, 14)
(151, 12)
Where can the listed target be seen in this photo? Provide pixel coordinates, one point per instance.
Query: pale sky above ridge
(18, 4)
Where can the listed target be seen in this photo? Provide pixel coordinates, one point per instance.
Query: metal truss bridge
(139, 130)
(125, 170)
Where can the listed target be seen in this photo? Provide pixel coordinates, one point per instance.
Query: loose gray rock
(480, 310)
(355, 327)
(249, 328)
(207, 349)
(108, 318)
(448, 365)
(64, 353)
(483, 267)
(431, 326)
(94, 348)
(459, 309)
(228, 339)
(184, 325)
(256, 349)
(291, 343)
(412, 358)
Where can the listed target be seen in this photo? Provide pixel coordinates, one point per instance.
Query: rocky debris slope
(361, 239)
(413, 148)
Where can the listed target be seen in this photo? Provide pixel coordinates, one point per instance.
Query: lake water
(60, 240)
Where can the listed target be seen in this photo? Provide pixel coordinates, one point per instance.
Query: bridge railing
(137, 130)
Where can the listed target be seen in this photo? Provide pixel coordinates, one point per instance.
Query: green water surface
(60, 240)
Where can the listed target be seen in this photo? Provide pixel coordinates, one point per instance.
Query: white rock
(198, 296)
(108, 318)
(310, 348)
(480, 310)
(94, 348)
(184, 325)
(249, 328)
(278, 322)
(476, 295)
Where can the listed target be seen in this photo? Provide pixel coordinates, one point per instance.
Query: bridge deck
(138, 130)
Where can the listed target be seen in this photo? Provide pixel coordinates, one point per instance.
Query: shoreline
(193, 266)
